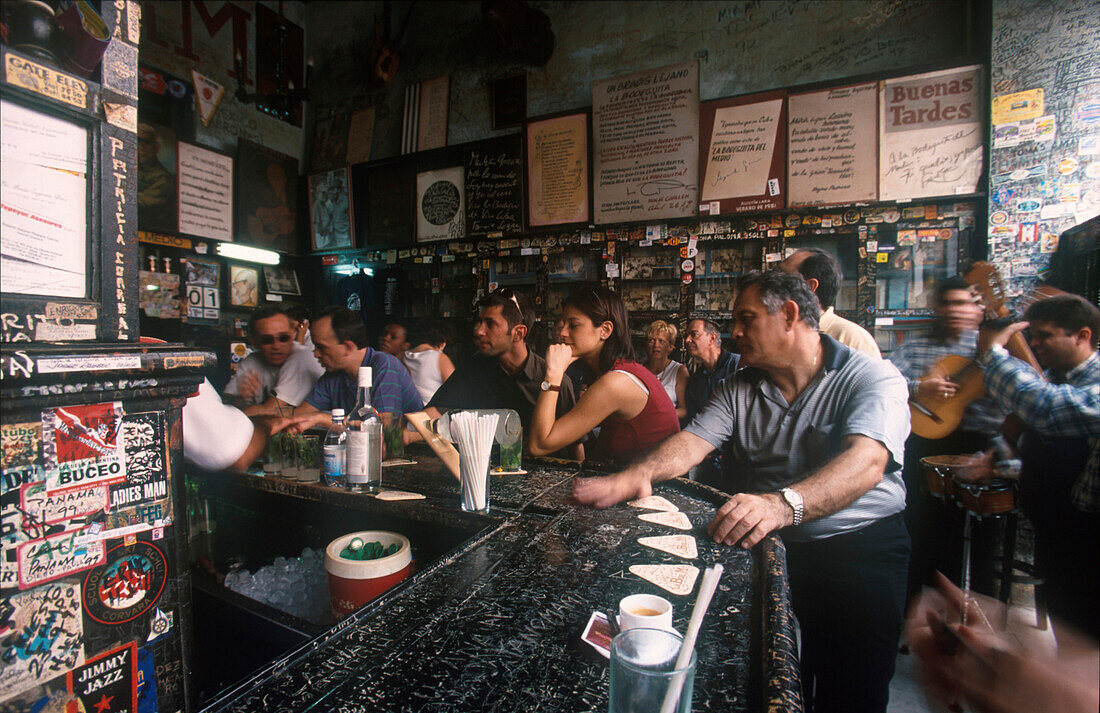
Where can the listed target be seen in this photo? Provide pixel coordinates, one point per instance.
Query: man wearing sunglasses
(279, 374)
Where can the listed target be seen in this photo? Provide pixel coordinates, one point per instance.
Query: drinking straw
(702, 603)
(474, 434)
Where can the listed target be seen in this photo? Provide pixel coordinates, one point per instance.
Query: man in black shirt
(504, 373)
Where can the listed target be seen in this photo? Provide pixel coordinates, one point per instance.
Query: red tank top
(625, 439)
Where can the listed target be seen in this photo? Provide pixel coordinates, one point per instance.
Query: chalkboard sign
(494, 187)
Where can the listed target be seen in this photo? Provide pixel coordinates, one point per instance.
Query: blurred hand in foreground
(967, 654)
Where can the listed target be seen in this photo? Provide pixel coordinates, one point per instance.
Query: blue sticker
(1002, 196)
(146, 682)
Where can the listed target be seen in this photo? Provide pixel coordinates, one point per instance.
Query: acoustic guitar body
(938, 417)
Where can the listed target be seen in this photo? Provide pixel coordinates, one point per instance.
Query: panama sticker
(127, 585)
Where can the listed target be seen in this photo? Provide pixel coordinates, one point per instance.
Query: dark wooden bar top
(495, 624)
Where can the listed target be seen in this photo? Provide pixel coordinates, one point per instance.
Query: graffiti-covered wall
(741, 47)
(1045, 166)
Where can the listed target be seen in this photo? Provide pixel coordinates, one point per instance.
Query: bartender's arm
(217, 436)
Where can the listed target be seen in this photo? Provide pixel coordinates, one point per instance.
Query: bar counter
(492, 619)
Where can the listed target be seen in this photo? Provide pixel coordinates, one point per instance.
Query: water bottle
(364, 441)
(336, 474)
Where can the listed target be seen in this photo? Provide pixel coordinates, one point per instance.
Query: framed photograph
(330, 210)
(281, 280)
(156, 196)
(244, 286)
(267, 193)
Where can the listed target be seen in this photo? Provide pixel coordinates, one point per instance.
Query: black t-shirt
(480, 382)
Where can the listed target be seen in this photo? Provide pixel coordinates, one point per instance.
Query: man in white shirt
(217, 436)
(280, 374)
(823, 272)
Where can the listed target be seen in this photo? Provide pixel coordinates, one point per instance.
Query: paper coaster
(679, 545)
(675, 578)
(501, 471)
(391, 462)
(653, 502)
(673, 519)
(398, 495)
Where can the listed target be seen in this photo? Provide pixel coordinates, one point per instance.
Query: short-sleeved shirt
(290, 382)
(701, 383)
(480, 382)
(848, 333)
(774, 444)
(392, 390)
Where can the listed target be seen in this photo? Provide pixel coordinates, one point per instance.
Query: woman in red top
(625, 399)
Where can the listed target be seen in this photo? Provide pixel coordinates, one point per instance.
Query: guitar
(941, 418)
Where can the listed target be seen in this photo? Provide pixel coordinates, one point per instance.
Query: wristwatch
(794, 499)
(547, 386)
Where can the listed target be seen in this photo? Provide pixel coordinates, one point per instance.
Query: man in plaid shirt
(1060, 482)
(935, 536)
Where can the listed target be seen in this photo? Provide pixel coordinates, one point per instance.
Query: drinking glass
(643, 670)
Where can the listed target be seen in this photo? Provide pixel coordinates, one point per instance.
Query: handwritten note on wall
(930, 134)
(206, 193)
(831, 155)
(494, 189)
(646, 144)
(557, 170)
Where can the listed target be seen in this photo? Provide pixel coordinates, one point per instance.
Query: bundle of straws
(474, 434)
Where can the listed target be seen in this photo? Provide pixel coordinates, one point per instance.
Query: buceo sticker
(127, 585)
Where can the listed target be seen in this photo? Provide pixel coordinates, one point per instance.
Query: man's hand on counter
(300, 424)
(605, 491)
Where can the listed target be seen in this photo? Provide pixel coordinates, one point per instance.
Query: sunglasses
(267, 340)
(508, 294)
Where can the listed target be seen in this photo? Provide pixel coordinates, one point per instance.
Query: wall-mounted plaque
(930, 134)
(494, 187)
(831, 146)
(743, 148)
(440, 205)
(205, 192)
(646, 144)
(557, 170)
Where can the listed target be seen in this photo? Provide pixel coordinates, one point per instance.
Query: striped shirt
(775, 444)
(392, 390)
(1067, 406)
(916, 357)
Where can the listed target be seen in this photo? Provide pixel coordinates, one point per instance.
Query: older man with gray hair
(816, 431)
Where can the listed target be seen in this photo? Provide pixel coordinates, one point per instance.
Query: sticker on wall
(1088, 146)
(1093, 170)
(127, 585)
(1002, 196)
(1028, 232)
(160, 624)
(1017, 107)
(1028, 205)
(1049, 243)
(146, 475)
(146, 681)
(55, 556)
(1089, 114)
(19, 443)
(61, 506)
(42, 639)
(907, 237)
(1067, 166)
(83, 445)
(107, 682)
(999, 217)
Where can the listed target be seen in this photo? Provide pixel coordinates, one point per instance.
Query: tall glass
(643, 671)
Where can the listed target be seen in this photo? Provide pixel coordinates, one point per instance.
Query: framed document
(557, 170)
(743, 153)
(440, 205)
(205, 192)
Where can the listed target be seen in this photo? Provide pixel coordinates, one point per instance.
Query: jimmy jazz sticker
(107, 682)
(127, 585)
(83, 445)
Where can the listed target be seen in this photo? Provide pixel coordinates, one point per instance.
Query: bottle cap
(337, 413)
(364, 376)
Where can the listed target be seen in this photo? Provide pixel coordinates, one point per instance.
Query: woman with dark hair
(626, 400)
(428, 366)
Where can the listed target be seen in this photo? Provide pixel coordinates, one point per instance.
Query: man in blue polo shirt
(340, 342)
(816, 433)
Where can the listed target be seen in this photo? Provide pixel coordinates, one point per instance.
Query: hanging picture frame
(281, 280)
(330, 210)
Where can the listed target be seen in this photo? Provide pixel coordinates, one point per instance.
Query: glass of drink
(309, 458)
(643, 672)
(394, 437)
